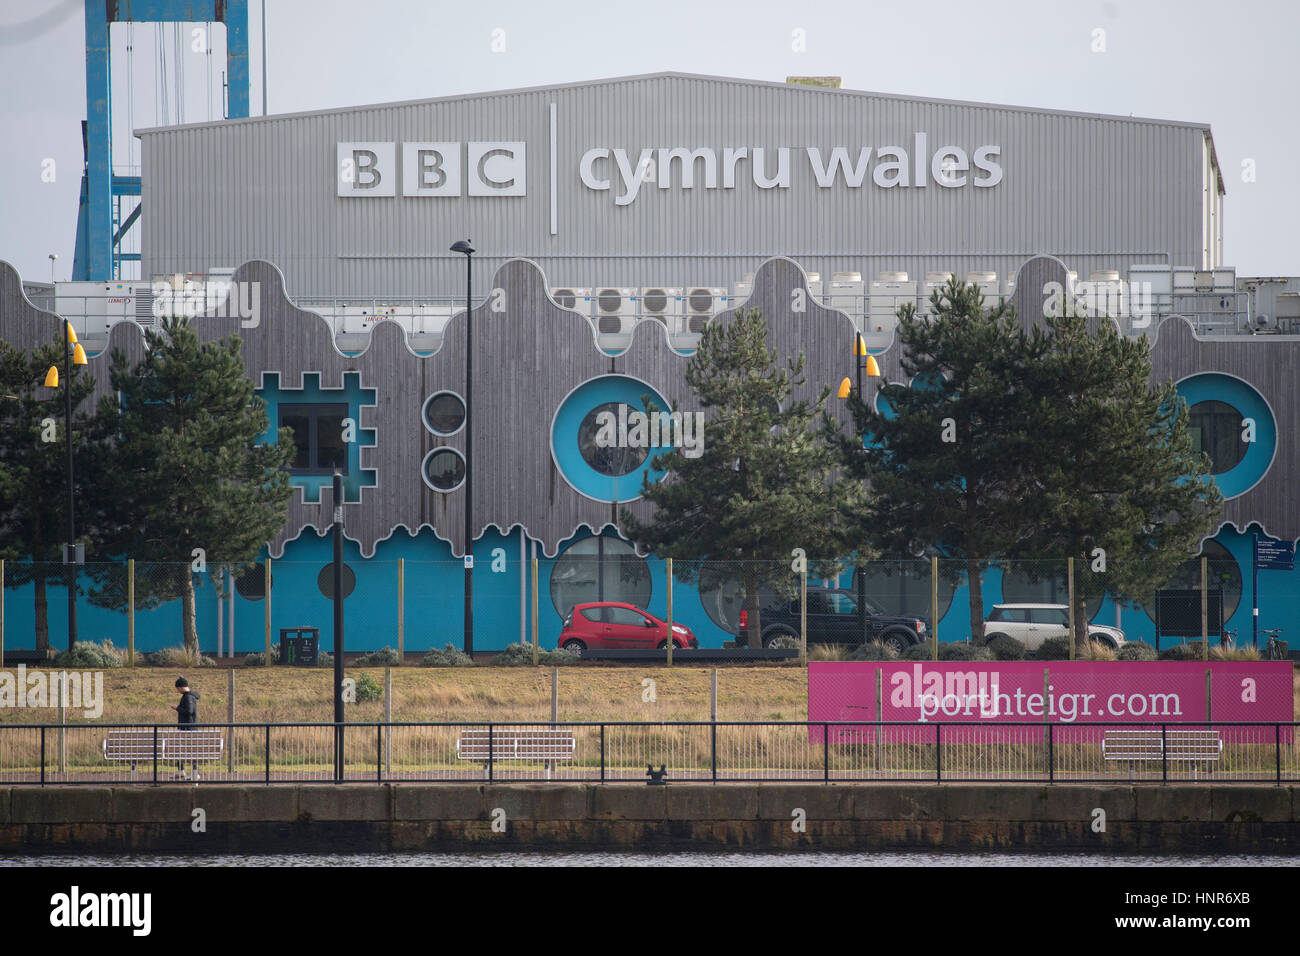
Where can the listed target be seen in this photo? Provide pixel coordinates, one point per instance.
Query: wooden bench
(1175, 745)
(547, 746)
(181, 746)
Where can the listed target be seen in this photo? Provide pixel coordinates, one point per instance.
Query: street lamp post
(338, 627)
(862, 361)
(53, 257)
(467, 250)
(73, 354)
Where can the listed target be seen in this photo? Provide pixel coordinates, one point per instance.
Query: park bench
(547, 746)
(179, 746)
(1174, 744)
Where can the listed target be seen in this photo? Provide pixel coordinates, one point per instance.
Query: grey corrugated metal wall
(1100, 192)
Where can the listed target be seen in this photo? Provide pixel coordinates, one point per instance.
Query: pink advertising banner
(1059, 692)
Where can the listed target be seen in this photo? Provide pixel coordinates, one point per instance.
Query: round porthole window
(325, 581)
(444, 470)
(251, 584)
(444, 413)
(1232, 424)
(599, 569)
(601, 454)
(607, 432)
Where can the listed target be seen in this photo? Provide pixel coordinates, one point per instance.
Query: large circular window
(251, 584)
(444, 469)
(599, 569)
(604, 436)
(1222, 571)
(1231, 423)
(444, 413)
(598, 441)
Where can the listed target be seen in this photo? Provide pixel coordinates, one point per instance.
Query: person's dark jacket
(187, 711)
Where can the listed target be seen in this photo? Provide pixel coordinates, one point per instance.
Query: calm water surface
(602, 858)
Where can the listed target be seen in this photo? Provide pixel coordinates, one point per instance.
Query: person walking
(187, 716)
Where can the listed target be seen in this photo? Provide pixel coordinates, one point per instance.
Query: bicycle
(1273, 649)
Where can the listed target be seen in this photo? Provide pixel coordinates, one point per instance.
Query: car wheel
(770, 641)
(896, 641)
(988, 638)
(1105, 640)
(575, 647)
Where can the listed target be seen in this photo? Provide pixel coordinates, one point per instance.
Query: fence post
(1047, 683)
(934, 607)
(938, 753)
(713, 722)
(1209, 714)
(130, 612)
(1069, 590)
(555, 695)
(63, 720)
(401, 611)
(230, 717)
(826, 752)
(388, 720)
(1164, 754)
(602, 753)
(534, 560)
(266, 600)
(1205, 609)
(268, 753)
(2, 612)
(1051, 755)
(491, 761)
(803, 617)
(379, 746)
(668, 565)
(1277, 751)
(880, 673)
(42, 755)
(155, 753)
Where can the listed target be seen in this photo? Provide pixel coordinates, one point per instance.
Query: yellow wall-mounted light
(78, 355)
(72, 333)
(52, 377)
(872, 367)
(859, 345)
(845, 388)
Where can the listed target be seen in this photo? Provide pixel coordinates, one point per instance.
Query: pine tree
(33, 469)
(187, 471)
(765, 482)
(1122, 488)
(949, 455)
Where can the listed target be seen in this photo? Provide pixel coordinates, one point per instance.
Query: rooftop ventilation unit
(934, 281)
(814, 284)
(987, 282)
(744, 288)
(846, 294)
(888, 293)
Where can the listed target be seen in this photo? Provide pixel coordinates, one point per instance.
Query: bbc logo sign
(432, 169)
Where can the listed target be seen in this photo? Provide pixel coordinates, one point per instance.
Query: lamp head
(872, 367)
(462, 246)
(52, 377)
(859, 345)
(78, 355)
(845, 388)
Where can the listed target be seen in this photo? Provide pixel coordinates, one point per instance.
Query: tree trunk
(752, 610)
(42, 616)
(976, 591)
(187, 613)
(1081, 612)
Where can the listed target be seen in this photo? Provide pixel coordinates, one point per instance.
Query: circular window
(251, 584)
(1224, 411)
(603, 440)
(598, 442)
(325, 581)
(903, 587)
(444, 413)
(1216, 429)
(1222, 572)
(599, 569)
(1023, 586)
(444, 469)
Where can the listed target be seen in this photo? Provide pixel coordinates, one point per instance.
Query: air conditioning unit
(744, 288)
(702, 304)
(579, 300)
(988, 286)
(888, 293)
(814, 284)
(1108, 294)
(1224, 279)
(1154, 283)
(845, 293)
(614, 314)
(933, 281)
(664, 304)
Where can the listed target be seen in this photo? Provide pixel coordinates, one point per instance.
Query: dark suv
(833, 619)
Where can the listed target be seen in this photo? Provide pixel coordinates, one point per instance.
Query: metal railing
(620, 751)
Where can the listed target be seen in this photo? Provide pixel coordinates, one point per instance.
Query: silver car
(1031, 624)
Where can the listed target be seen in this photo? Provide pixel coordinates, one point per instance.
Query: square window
(318, 442)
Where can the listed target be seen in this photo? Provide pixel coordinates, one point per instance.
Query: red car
(611, 626)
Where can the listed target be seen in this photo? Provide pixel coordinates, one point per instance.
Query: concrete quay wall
(1239, 818)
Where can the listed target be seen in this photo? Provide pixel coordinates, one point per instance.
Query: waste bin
(298, 646)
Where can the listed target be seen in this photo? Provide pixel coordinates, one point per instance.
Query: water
(605, 858)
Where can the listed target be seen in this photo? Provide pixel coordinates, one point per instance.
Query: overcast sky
(1232, 65)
